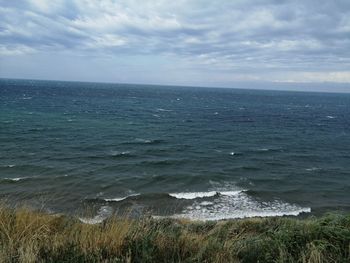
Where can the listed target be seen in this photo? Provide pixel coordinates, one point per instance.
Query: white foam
(118, 199)
(205, 203)
(60, 176)
(313, 169)
(230, 193)
(330, 117)
(264, 149)
(238, 204)
(193, 195)
(143, 140)
(9, 165)
(16, 179)
(117, 153)
(103, 213)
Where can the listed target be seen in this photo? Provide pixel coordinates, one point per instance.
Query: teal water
(201, 153)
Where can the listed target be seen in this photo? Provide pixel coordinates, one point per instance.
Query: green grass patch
(29, 236)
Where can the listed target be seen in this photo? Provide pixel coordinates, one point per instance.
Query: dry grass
(29, 236)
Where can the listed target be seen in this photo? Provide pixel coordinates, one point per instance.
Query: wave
(313, 169)
(235, 153)
(231, 193)
(144, 141)
(195, 195)
(118, 199)
(160, 109)
(15, 179)
(8, 166)
(262, 150)
(25, 178)
(61, 176)
(238, 204)
(184, 195)
(120, 154)
(103, 213)
(217, 204)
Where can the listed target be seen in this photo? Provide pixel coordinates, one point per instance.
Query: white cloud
(338, 76)
(106, 40)
(15, 50)
(230, 39)
(48, 7)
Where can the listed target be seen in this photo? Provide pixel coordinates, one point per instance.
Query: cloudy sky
(198, 42)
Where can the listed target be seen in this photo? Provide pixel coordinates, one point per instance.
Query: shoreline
(34, 236)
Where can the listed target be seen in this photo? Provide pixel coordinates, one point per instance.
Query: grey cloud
(243, 36)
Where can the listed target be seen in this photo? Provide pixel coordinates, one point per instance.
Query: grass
(30, 236)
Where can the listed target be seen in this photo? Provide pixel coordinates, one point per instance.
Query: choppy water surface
(201, 153)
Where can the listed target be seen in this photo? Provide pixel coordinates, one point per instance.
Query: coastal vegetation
(34, 236)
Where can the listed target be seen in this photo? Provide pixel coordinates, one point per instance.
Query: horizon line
(287, 83)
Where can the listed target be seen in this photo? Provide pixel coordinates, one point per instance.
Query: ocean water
(198, 153)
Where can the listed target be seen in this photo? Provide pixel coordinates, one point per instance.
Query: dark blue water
(203, 153)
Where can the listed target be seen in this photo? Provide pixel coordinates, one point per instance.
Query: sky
(271, 43)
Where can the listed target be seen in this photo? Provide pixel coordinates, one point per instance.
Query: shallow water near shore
(199, 153)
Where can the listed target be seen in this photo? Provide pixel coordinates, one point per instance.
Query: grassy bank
(27, 236)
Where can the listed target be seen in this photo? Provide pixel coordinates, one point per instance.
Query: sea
(93, 150)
